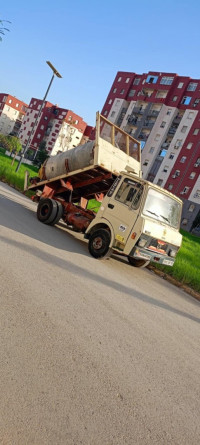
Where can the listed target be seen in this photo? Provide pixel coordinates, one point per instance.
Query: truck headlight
(142, 242)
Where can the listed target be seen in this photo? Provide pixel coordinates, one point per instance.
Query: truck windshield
(163, 208)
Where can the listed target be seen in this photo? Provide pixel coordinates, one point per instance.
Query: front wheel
(137, 263)
(99, 243)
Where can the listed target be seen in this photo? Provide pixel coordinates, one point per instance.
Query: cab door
(122, 208)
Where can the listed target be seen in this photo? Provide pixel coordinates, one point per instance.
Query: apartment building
(162, 110)
(12, 112)
(57, 128)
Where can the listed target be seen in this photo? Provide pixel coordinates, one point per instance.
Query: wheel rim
(44, 210)
(97, 243)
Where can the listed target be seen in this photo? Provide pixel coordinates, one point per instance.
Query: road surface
(92, 352)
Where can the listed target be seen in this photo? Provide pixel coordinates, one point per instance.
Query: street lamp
(55, 73)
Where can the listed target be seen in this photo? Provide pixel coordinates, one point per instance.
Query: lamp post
(55, 73)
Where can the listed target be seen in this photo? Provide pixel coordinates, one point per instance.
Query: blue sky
(89, 41)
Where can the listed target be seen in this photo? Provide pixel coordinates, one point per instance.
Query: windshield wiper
(166, 219)
(153, 213)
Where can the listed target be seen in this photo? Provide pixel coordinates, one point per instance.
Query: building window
(184, 221)
(146, 162)
(157, 137)
(196, 102)
(170, 186)
(191, 208)
(197, 163)
(192, 86)
(189, 146)
(159, 182)
(115, 90)
(178, 143)
(127, 80)
(42, 127)
(192, 175)
(109, 102)
(131, 93)
(45, 118)
(17, 105)
(165, 169)
(38, 136)
(105, 113)
(197, 194)
(190, 115)
(119, 79)
(166, 80)
(196, 131)
(10, 101)
(151, 150)
(186, 100)
(76, 122)
(122, 91)
(171, 156)
(34, 103)
(174, 99)
(136, 81)
(112, 114)
(183, 159)
(180, 85)
(163, 124)
(169, 112)
(183, 129)
(177, 173)
(185, 190)
(151, 79)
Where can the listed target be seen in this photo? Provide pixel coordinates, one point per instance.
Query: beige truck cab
(139, 220)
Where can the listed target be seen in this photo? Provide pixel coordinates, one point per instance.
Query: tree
(2, 28)
(42, 154)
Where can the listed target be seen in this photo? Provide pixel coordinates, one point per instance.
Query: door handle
(111, 206)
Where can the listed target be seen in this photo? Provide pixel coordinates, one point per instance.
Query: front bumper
(148, 255)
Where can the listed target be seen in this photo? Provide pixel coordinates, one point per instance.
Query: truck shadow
(83, 272)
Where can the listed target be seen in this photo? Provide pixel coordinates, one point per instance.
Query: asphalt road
(91, 352)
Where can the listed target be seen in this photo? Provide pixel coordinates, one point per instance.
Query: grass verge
(186, 269)
(8, 174)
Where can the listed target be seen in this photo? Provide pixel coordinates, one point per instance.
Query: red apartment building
(12, 112)
(162, 110)
(59, 128)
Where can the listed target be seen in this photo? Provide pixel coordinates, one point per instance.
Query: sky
(89, 41)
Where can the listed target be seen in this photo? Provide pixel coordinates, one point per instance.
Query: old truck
(136, 218)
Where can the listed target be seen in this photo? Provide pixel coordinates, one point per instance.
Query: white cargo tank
(74, 159)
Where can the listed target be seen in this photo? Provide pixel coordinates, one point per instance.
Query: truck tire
(47, 210)
(98, 245)
(59, 213)
(137, 263)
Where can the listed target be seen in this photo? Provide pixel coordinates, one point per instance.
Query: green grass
(186, 268)
(8, 175)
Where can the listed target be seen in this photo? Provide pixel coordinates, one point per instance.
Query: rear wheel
(137, 263)
(47, 210)
(99, 243)
(59, 213)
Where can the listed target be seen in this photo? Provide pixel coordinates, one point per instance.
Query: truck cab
(139, 220)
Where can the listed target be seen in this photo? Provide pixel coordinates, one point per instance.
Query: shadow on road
(75, 269)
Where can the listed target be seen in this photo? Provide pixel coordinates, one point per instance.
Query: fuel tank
(71, 160)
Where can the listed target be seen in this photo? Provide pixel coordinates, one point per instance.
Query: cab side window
(129, 193)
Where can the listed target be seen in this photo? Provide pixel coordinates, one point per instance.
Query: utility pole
(55, 73)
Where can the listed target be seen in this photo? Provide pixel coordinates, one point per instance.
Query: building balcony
(172, 130)
(133, 121)
(148, 124)
(153, 113)
(138, 110)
